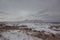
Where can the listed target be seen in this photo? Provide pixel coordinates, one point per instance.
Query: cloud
(34, 9)
(4, 13)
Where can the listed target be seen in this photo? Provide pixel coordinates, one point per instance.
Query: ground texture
(24, 32)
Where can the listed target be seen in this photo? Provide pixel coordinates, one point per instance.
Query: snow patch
(16, 35)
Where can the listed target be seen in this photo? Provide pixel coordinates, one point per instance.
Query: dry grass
(55, 25)
(35, 33)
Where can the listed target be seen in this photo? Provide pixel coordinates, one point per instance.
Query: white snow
(41, 27)
(16, 35)
(19, 35)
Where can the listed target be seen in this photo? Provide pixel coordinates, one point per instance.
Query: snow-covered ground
(41, 27)
(17, 35)
(20, 35)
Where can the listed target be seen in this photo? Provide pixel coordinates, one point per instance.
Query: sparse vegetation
(35, 33)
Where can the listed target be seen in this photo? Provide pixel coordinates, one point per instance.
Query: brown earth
(35, 33)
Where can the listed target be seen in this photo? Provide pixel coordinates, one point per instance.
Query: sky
(19, 10)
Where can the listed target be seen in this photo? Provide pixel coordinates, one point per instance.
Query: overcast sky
(18, 10)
